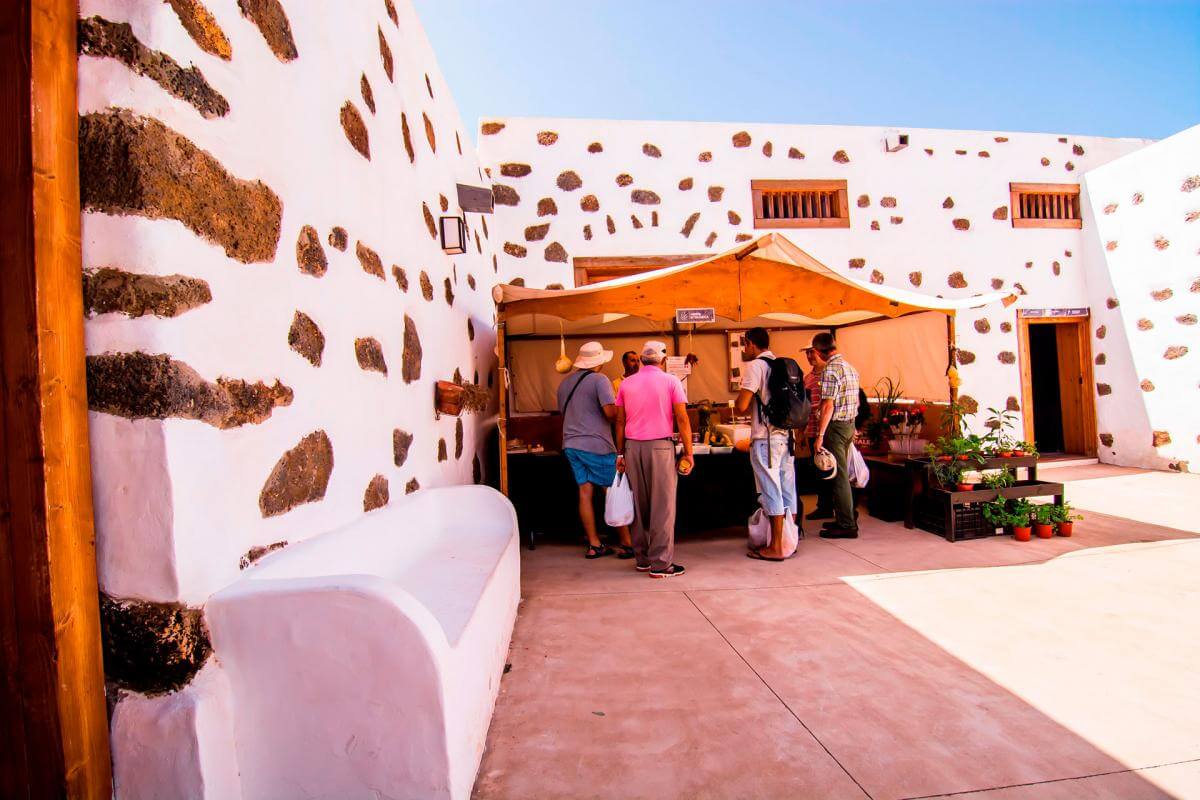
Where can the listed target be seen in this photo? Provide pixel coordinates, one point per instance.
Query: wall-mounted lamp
(454, 235)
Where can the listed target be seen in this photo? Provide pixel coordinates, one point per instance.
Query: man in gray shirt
(585, 400)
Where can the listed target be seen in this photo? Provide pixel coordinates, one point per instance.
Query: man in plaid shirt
(835, 430)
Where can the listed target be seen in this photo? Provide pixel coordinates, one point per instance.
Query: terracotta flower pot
(1043, 530)
(1006, 453)
(1018, 453)
(944, 459)
(448, 398)
(1022, 533)
(964, 458)
(965, 487)
(1065, 528)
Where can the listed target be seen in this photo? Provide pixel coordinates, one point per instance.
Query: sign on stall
(1035, 313)
(695, 316)
(678, 366)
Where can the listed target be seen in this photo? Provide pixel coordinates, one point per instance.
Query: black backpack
(789, 407)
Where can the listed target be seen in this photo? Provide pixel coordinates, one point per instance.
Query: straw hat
(592, 354)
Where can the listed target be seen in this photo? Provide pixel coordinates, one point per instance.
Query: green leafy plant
(954, 420)
(1029, 448)
(1062, 512)
(1000, 424)
(1043, 514)
(947, 473)
(999, 480)
(1007, 513)
(1021, 510)
(887, 395)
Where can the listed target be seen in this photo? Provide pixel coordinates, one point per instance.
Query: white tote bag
(618, 505)
(759, 525)
(856, 466)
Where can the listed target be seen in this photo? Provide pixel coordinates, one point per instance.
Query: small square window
(1045, 205)
(800, 204)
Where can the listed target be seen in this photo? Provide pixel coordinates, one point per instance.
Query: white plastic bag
(856, 466)
(759, 525)
(618, 505)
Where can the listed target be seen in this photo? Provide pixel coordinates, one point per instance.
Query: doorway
(1056, 384)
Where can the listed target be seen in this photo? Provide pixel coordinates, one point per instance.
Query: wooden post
(502, 417)
(952, 356)
(53, 724)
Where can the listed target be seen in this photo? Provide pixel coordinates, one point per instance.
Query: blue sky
(1098, 68)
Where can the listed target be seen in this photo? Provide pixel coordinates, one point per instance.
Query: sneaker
(669, 572)
(641, 568)
(820, 513)
(839, 533)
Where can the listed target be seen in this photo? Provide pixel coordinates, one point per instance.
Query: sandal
(600, 551)
(626, 552)
(758, 556)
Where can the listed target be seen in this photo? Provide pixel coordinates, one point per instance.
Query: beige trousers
(652, 478)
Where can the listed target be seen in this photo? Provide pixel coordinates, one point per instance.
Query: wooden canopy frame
(767, 277)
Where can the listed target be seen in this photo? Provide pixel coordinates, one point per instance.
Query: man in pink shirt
(649, 405)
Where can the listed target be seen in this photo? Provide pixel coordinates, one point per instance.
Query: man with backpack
(773, 392)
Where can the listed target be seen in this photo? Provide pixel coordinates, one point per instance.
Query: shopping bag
(856, 466)
(618, 505)
(759, 526)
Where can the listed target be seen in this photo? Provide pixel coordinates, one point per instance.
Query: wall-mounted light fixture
(454, 235)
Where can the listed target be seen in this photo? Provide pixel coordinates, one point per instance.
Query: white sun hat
(592, 354)
(655, 350)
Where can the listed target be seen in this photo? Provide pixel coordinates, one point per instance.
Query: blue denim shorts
(776, 483)
(597, 468)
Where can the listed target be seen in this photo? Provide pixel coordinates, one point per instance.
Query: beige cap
(654, 350)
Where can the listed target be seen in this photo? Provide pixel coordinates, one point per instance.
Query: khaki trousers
(652, 478)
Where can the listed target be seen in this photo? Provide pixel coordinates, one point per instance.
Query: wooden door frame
(1085, 361)
(53, 719)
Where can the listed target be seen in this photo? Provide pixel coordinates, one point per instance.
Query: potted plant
(999, 479)
(1025, 449)
(887, 395)
(1001, 423)
(1019, 513)
(1064, 518)
(937, 450)
(949, 474)
(1043, 520)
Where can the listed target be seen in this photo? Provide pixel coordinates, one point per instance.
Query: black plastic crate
(969, 522)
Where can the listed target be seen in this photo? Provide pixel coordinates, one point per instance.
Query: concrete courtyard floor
(896, 665)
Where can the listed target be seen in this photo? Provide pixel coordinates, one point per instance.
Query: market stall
(702, 308)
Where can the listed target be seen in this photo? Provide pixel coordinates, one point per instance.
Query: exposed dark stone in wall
(863, 200)
(654, 219)
(624, 179)
(997, 284)
(368, 96)
(928, 151)
(555, 252)
(430, 134)
(476, 471)
(896, 220)
(535, 233)
(1110, 208)
(1195, 287)
(1020, 289)
(734, 219)
(442, 453)
(491, 128)
(1106, 439)
(965, 357)
(874, 224)
(637, 223)
(960, 152)
(984, 154)
(1000, 213)
(401, 443)
(369, 353)
(391, 12)
(595, 147)
(1006, 357)
(137, 165)
(376, 494)
(569, 181)
(272, 23)
(449, 292)
(385, 55)
(152, 648)
(795, 153)
(1045, 162)
(515, 170)
(457, 138)
(644, 197)
(690, 223)
(961, 224)
(356, 130)
(612, 226)
(430, 223)
(589, 203)
(140, 385)
(412, 486)
(1191, 216)
(370, 261)
(401, 277)
(547, 138)
(1001, 139)
(411, 369)
(1186, 319)
(556, 286)
(715, 193)
(914, 278)
(741, 139)
(256, 553)
(982, 325)
(1101, 359)
(956, 280)
(1146, 386)
(406, 135)
(310, 255)
(339, 239)
(685, 185)
(1175, 351)
(768, 149)
(102, 38)
(1162, 294)
(546, 207)
(704, 157)
(505, 195)
(1190, 184)
(841, 157)
(857, 263)
(515, 250)
(1101, 332)
(1011, 404)
(587, 233)
(712, 237)
(969, 404)
(1160, 438)
(109, 290)
(948, 202)
(458, 439)
(1069, 167)
(426, 285)
(202, 27)
(443, 202)
(470, 330)
(651, 150)
(1161, 243)
(300, 476)
(306, 338)
(887, 202)
(876, 276)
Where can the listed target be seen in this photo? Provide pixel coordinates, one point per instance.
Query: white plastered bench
(365, 662)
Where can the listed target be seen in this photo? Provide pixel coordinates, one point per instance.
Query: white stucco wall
(1145, 210)
(177, 499)
(916, 234)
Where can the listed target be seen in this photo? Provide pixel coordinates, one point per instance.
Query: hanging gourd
(563, 364)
